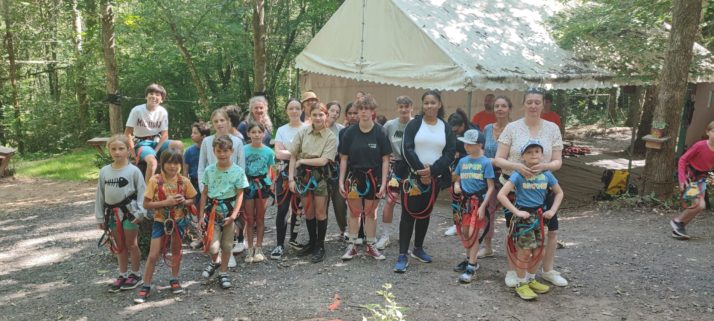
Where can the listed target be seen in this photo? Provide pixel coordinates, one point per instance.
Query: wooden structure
(6, 154)
(99, 143)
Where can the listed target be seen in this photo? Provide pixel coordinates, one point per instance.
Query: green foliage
(77, 165)
(390, 311)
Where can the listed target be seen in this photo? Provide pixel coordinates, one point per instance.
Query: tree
(10, 48)
(660, 164)
(116, 124)
(259, 50)
(80, 57)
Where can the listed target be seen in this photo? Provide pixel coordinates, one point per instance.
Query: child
(222, 124)
(530, 198)
(168, 194)
(474, 178)
(221, 199)
(118, 210)
(692, 171)
(258, 159)
(147, 129)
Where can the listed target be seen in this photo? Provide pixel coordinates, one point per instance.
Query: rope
(466, 214)
(517, 230)
(411, 187)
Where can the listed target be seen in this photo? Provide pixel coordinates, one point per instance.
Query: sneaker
(372, 251)
(350, 253)
(249, 255)
(132, 282)
(402, 263)
(554, 278)
(461, 267)
(382, 242)
(238, 247)
(232, 262)
(225, 281)
(210, 269)
(511, 279)
(678, 231)
(468, 274)
(277, 253)
(118, 283)
(175, 286)
(538, 287)
(451, 231)
(295, 245)
(318, 255)
(419, 254)
(482, 253)
(258, 255)
(143, 295)
(525, 292)
(305, 250)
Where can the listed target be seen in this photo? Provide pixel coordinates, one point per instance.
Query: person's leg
(281, 220)
(226, 242)
(151, 165)
(353, 219)
(339, 206)
(176, 243)
(406, 228)
(132, 247)
(250, 221)
(260, 221)
(154, 252)
(420, 229)
(688, 214)
(551, 243)
(123, 256)
(370, 224)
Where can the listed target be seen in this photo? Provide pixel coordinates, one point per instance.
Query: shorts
(251, 192)
(551, 223)
(531, 239)
(318, 177)
(127, 225)
(148, 148)
(157, 229)
(222, 238)
(363, 186)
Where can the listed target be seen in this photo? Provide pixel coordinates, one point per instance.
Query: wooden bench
(6, 154)
(99, 143)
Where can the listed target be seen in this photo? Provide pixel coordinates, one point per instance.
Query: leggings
(281, 219)
(409, 223)
(338, 203)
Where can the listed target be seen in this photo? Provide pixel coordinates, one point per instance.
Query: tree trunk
(81, 79)
(202, 97)
(10, 48)
(660, 164)
(612, 105)
(116, 125)
(634, 104)
(259, 38)
(648, 107)
(50, 15)
(562, 109)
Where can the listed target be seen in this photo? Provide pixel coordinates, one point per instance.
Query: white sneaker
(258, 255)
(451, 231)
(511, 279)
(554, 278)
(238, 247)
(232, 262)
(249, 255)
(382, 242)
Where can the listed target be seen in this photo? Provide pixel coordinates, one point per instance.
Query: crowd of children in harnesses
(221, 186)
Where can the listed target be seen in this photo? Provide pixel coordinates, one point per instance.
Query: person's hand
(298, 163)
(382, 191)
(228, 221)
(523, 214)
(540, 167)
(525, 171)
(682, 186)
(178, 199)
(548, 214)
(481, 212)
(292, 186)
(424, 172)
(457, 189)
(342, 189)
(426, 180)
(202, 223)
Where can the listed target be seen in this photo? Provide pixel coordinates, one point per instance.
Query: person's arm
(240, 153)
(320, 161)
(203, 162)
(163, 136)
(501, 160)
(140, 188)
(202, 205)
(129, 133)
(281, 152)
(408, 146)
(343, 173)
(99, 202)
(556, 202)
(683, 163)
(503, 198)
(556, 161)
(484, 205)
(236, 209)
(385, 176)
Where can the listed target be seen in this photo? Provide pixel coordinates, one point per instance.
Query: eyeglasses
(535, 90)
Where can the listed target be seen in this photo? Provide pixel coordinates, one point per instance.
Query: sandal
(210, 269)
(225, 281)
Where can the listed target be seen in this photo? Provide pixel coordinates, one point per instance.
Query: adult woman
(514, 136)
(283, 141)
(459, 125)
(365, 151)
(502, 109)
(258, 107)
(338, 202)
(428, 147)
(395, 132)
(312, 149)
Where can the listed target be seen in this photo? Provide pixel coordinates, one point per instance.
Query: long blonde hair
(266, 117)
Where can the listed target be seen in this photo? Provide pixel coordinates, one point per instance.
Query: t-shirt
(310, 143)
(115, 185)
(336, 129)
(483, 118)
(473, 173)
(243, 129)
(699, 156)
(551, 116)
(516, 134)
(190, 157)
(285, 134)
(170, 189)
(531, 192)
(207, 157)
(365, 150)
(148, 123)
(258, 161)
(222, 184)
(429, 142)
(395, 133)
(491, 145)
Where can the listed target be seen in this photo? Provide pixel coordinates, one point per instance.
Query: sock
(124, 274)
(530, 277)
(312, 231)
(386, 229)
(371, 240)
(321, 232)
(137, 273)
(222, 273)
(521, 281)
(472, 265)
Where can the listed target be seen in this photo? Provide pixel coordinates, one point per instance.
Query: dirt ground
(621, 264)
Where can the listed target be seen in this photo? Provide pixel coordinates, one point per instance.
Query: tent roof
(447, 45)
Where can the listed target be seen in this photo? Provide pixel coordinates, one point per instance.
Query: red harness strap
(420, 215)
(352, 182)
(210, 227)
(173, 230)
(467, 216)
(113, 246)
(535, 259)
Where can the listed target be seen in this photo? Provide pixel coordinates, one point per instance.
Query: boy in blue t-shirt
(530, 197)
(474, 178)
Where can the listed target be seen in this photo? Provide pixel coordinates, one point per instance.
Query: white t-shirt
(516, 134)
(285, 134)
(429, 142)
(148, 123)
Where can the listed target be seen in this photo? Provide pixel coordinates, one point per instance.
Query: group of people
(226, 179)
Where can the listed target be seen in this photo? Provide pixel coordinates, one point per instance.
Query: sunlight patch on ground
(32, 290)
(150, 304)
(18, 258)
(616, 163)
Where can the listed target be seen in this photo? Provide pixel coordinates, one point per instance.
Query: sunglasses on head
(535, 90)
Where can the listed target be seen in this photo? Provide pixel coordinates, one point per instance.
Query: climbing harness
(211, 205)
(522, 232)
(111, 214)
(352, 189)
(170, 224)
(465, 214)
(411, 188)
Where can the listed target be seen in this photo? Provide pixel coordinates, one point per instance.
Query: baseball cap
(472, 137)
(308, 95)
(530, 143)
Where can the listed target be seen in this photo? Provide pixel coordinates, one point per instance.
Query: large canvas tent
(462, 47)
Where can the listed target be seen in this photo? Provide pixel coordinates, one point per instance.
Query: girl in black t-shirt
(364, 166)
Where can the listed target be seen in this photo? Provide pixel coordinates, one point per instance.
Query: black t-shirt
(365, 150)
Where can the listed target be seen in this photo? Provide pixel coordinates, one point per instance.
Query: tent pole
(468, 103)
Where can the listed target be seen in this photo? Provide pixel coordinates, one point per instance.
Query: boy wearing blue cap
(474, 178)
(527, 229)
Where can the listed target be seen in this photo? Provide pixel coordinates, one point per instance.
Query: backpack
(615, 184)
